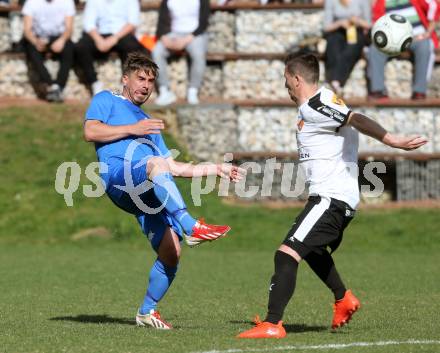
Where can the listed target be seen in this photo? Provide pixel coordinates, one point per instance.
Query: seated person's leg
(65, 57)
(197, 51)
(376, 71)
(348, 58)
(36, 59)
(423, 63)
(128, 44)
(336, 43)
(85, 52)
(66, 62)
(160, 55)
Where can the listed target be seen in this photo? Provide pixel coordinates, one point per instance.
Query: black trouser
(341, 56)
(86, 51)
(36, 59)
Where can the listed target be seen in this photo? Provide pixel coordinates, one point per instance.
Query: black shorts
(320, 225)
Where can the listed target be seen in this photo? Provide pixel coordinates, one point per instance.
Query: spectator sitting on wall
(346, 23)
(182, 26)
(108, 25)
(47, 29)
(423, 15)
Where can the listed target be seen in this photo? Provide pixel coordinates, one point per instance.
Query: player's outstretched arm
(223, 170)
(97, 131)
(373, 129)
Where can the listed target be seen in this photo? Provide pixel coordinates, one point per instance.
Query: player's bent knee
(157, 165)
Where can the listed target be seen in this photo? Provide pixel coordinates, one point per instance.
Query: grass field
(61, 295)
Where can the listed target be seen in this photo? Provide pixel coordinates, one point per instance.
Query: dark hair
(139, 61)
(304, 65)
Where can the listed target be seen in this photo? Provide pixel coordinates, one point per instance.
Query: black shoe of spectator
(418, 96)
(54, 94)
(17, 47)
(377, 95)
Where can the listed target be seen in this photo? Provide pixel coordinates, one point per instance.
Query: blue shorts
(147, 209)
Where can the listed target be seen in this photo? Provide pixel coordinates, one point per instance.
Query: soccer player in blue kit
(138, 175)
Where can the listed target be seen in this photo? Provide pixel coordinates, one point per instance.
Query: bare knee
(156, 166)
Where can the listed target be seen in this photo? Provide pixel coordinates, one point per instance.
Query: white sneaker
(192, 96)
(152, 319)
(97, 87)
(166, 97)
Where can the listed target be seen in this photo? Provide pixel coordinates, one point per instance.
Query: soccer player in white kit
(327, 137)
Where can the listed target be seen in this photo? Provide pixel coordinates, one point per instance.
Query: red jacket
(428, 10)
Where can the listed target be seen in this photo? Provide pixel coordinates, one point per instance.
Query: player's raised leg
(161, 276)
(167, 192)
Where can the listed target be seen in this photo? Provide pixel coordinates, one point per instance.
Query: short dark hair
(139, 61)
(304, 65)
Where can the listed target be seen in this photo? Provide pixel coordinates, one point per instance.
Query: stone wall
(263, 79)
(241, 79)
(278, 180)
(269, 180)
(208, 132)
(248, 31)
(211, 131)
(275, 31)
(5, 36)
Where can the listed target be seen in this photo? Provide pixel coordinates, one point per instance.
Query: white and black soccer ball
(392, 34)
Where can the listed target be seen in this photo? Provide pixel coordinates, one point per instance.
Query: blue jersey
(113, 109)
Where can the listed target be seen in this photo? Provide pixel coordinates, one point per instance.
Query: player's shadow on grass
(291, 328)
(95, 319)
(300, 328)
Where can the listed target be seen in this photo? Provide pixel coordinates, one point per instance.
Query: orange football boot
(344, 309)
(264, 330)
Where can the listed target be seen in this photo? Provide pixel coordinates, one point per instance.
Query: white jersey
(49, 18)
(327, 148)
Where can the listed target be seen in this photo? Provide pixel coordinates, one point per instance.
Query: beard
(142, 100)
(134, 98)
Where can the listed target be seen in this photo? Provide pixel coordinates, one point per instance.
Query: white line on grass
(327, 346)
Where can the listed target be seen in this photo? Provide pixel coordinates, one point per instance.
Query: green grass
(58, 295)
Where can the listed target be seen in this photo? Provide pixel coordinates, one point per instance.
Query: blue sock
(161, 277)
(166, 191)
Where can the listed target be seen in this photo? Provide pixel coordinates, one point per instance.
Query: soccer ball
(392, 34)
